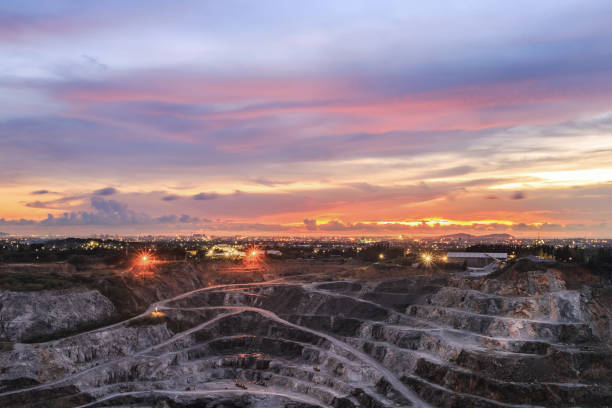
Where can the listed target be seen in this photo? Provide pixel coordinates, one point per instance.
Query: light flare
(254, 257)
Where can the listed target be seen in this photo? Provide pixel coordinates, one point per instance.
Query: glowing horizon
(351, 118)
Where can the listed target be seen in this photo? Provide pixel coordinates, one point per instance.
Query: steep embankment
(29, 315)
(40, 302)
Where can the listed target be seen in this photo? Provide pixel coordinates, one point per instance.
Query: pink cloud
(341, 107)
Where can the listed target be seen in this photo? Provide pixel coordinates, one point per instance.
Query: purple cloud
(188, 219)
(171, 197)
(310, 224)
(19, 222)
(106, 191)
(205, 196)
(37, 204)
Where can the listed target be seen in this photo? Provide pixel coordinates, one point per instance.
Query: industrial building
(476, 259)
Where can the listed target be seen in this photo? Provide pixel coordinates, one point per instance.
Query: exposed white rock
(28, 314)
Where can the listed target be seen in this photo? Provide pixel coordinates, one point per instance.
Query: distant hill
(477, 238)
(457, 237)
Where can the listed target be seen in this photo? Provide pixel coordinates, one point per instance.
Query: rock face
(28, 314)
(418, 341)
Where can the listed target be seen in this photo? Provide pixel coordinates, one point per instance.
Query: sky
(286, 118)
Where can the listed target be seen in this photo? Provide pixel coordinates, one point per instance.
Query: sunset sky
(306, 117)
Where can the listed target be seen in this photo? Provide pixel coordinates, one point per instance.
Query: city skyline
(350, 118)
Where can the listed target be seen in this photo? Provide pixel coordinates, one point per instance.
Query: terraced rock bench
(456, 343)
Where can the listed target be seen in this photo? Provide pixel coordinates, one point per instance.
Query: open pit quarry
(522, 339)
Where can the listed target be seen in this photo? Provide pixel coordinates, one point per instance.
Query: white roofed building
(476, 259)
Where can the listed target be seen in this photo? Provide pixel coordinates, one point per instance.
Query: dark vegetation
(597, 260)
(9, 385)
(452, 266)
(56, 397)
(34, 281)
(84, 252)
(372, 253)
(575, 276)
(567, 253)
(6, 346)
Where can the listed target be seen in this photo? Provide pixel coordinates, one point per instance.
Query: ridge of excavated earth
(422, 340)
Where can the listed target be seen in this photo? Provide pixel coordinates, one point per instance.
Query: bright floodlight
(145, 259)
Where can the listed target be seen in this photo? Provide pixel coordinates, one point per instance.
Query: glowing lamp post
(253, 257)
(157, 313)
(145, 257)
(144, 264)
